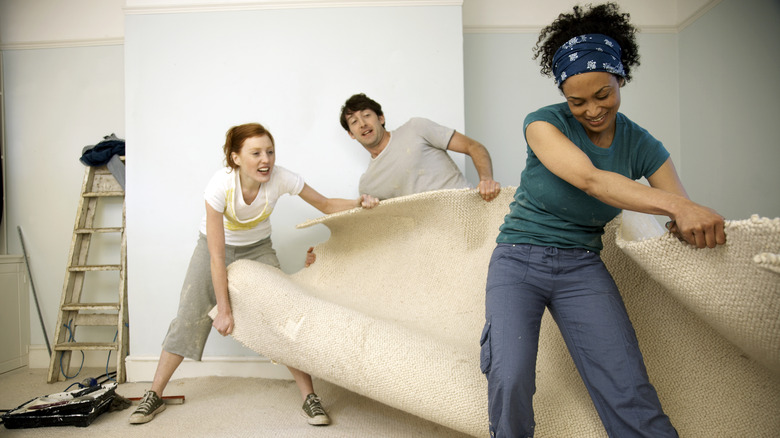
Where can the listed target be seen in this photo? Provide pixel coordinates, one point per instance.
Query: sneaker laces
(313, 403)
(147, 402)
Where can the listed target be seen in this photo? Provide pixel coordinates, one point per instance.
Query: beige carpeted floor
(223, 407)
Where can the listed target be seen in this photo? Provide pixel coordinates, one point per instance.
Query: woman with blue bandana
(583, 159)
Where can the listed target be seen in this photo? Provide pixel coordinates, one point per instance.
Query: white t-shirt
(247, 224)
(415, 160)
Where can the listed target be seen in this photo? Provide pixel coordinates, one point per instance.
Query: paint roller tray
(78, 407)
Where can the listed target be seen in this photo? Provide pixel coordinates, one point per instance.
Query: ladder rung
(85, 346)
(93, 319)
(96, 319)
(90, 268)
(98, 230)
(103, 194)
(90, 306)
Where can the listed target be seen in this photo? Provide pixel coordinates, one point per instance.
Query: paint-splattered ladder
(98, 187)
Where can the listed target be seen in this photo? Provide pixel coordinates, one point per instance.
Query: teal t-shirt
(548, 211)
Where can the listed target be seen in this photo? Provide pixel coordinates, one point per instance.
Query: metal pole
(35, 296)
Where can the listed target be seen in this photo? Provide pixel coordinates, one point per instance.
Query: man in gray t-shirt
(412, 158)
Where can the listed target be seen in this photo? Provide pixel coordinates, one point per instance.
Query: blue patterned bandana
(587, 53)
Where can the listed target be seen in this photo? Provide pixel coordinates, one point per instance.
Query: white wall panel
(189, 77)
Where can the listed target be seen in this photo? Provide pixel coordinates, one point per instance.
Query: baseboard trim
(142, 368)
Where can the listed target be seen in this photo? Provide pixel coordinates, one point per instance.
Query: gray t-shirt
(415, 160)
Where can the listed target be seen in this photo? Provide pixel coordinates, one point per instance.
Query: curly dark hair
(605, 19)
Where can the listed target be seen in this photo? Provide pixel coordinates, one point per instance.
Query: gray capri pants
(189, 331)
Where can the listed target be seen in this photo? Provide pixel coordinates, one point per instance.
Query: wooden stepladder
(98, 184)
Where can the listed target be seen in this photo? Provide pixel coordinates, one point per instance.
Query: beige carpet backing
(394, 306)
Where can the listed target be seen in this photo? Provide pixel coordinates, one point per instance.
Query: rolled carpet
(394, 307)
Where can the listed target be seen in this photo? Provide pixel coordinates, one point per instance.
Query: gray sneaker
(314, 412)
(151, 405)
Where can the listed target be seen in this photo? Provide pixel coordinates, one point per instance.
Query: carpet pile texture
(394, 307)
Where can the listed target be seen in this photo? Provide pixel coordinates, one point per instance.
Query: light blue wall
(730, 108)
(57, 101)
(504, 84)
(709, 93)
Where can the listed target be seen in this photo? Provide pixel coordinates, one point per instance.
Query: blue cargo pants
(584, 301)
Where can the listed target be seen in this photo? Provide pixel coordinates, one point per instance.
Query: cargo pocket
(484, 353)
